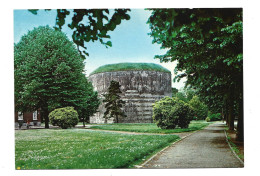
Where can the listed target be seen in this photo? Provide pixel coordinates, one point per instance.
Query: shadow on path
(203, 149)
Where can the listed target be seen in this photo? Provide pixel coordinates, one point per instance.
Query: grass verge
(234, 147)
(150, 127)
(83, 149)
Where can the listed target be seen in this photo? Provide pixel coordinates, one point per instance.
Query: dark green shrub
(64, 117)
(171, 112)
(215, 117)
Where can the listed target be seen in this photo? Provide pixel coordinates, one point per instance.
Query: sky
(130, 40)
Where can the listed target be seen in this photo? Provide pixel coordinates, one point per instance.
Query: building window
(35, 115)
(20, 116)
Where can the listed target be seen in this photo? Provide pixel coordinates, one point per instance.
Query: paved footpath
(203, 149)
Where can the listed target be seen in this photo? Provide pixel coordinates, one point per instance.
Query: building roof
(126, 66)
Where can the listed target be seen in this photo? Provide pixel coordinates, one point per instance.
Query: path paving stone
(203, 149)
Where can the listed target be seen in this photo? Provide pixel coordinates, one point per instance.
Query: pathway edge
(234, 153)
(152, 157)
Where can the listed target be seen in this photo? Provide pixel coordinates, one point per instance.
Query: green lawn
(84, 149)
(150, 127)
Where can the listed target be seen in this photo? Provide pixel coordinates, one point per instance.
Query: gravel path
(203, 149)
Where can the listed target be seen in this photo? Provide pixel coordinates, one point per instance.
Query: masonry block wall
(140, 89)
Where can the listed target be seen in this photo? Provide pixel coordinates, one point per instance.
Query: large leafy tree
(89, 24)
(49, 73)
(113, 102)
(207, 43)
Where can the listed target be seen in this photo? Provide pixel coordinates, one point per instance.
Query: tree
(90, 24)
(174, 91)
(181, 95)
(49, 73)
(207, 43)
(113, 102)
(185, 95)
(90, 104)
(200, 109)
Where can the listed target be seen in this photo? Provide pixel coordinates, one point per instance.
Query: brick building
(30, 118)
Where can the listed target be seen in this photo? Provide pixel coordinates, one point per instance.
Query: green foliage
(90, 24)
(215, 35)
(113, 102)
(91, 102)
(64, 117)
(184, 94)
(171, 112)
(208, 47)
(200, 109)
(181, 96)
(163, 113)
(174, 91)
(49, 73)
(129, 66)
(215, 117)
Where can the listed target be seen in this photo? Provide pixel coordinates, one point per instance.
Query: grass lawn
(151, 127)
(84, 149)
(129, 66)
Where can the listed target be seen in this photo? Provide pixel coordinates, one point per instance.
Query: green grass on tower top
(129, 66)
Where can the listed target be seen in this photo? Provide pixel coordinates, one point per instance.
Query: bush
(207, 119)
(215, 117)
(171, 112)
(163, 114)
(64, 117)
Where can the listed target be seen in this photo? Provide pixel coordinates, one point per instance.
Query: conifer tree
(113, 102)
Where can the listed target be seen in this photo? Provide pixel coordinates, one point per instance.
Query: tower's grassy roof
(129, 66)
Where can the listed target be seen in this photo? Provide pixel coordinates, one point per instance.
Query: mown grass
(83, 149)
(130, 66)
(150, 127)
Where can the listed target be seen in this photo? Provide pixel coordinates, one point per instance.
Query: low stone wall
(140, 89)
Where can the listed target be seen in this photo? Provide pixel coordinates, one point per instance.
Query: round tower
(141, 84)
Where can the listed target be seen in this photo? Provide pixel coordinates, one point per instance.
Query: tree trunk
(45, 113)
(240, 124)
(231, 110)
(83, 122)
(226, 113)
(231, 118)
(116, 118)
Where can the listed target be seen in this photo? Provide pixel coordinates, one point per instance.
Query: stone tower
(141, 84)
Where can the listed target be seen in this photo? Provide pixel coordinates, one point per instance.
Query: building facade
(27, 118)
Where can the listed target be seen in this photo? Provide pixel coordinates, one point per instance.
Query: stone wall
(140, 89)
